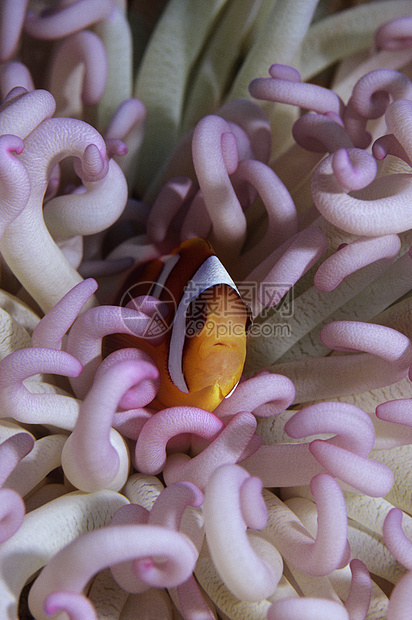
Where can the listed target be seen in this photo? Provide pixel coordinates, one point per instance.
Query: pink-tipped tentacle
(398, 411)
(354, 168)
(11, 24)
(14, 180)
(123, 572)
(395, 539)
(22, 111)
(247, 575)
(170, 505)
(353, 257)
(150, 453)
(385, 342)
(227, 448)
(129, 114)
(128, 126)
(263, 388)
(389, 145)
(84, 48)
(12, 450)
(353, 427)
(252, 503)
(85, 338)
(18, 402)
(89, 212)
(52, 327)
(287, 89)
(284, 72)
(373, 92)
(14, 74)
(94, 457)
(360, 591)
(72, 567)
(325, 553)
(250, 117)
(320, 133)
(92, 165)
(70, 18)
(142, 394)
(343, 456)
(191, 602)
(225, 211)
(44, 270)
(395, 34)
(379, 209)
(370, 98)
(281, 210)
(365, 475)
(76, 605)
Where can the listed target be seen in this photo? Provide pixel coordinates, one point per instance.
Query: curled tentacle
(85, 337)
(379, 209)
(150, 453)
(21, 112)
(73, 566)
(232, 445)
(287, 88)
(253, 120)
(370, 98)
(15, 74)
(343, 456)
(85, 48)
(15, 184)
(94, 456)
(51, 328)
(321, 133)
(264, 388)
(329, 549)
(214, 149)
(91, 211)
(254, 572)
(352, 257)
(16, 399)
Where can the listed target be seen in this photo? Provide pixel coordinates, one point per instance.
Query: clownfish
(202, 346)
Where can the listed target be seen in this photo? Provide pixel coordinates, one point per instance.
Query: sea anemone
(279, 133)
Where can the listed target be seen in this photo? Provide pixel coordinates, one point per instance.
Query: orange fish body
(202, 349)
